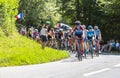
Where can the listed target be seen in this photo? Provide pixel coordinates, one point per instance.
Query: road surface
(105, 66)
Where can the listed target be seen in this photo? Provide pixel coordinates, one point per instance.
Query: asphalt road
(105, 66)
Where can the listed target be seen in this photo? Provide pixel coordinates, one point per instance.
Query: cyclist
(90, 36)
(85, 40)
(78, 33)
(98, 37)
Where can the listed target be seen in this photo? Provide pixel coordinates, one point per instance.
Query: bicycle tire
(79, 56)
(91, 52)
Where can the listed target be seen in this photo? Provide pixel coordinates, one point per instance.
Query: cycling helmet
(84, 26)
(77, 23)
(90, 27)
(36, 30)
(95, 27)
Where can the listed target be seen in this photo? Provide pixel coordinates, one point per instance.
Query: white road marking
(118, 65)
(95, 72)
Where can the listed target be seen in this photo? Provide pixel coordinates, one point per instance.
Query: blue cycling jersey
(97, 32)
(90, 34)
(78, 32)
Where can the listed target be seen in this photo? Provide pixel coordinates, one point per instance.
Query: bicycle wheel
(91, 50)
(97, 51)
(85, 54)
(79, 56)
(79, 51)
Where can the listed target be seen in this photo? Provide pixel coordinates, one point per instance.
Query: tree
(111, 20)
(83, 10)
(8, 10)
(37, 11)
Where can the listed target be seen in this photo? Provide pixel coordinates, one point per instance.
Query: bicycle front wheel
(79, 56)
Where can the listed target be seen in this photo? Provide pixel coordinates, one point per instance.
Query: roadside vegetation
(19, 50)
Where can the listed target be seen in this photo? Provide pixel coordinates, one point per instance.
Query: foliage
(104, 13)
(8, 10)
(110, 19)
(38, 11)
(84, 10)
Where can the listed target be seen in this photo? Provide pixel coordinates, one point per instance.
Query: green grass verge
(18, 50)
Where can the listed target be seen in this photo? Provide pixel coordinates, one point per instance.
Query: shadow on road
(74, 59)
(111, 53)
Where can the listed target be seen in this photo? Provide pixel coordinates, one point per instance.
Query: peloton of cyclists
(85, 35)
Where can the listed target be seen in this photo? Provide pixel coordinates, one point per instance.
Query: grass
(18, 50)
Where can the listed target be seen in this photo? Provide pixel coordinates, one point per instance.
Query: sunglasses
(77, 24)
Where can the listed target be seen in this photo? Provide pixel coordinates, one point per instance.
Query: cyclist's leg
(88, 46)
(76, 46)
(99, 46)
(70, 45)
(85, 48)
(82, 46)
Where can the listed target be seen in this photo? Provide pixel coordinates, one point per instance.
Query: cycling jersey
(78, 31)
(90, 34)
(97, 33)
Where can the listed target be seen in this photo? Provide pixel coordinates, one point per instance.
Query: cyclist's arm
(74, 31)
(84, 33)
(94, 36)
(100, 37)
